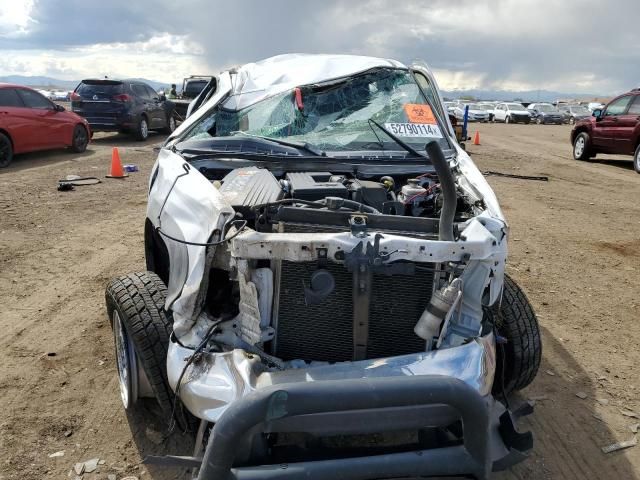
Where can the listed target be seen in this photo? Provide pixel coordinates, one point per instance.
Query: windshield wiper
(299, 145)
(396, 139)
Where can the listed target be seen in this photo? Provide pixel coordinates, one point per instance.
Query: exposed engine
(356, 305)
(248, 188)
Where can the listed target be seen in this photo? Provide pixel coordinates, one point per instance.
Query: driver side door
(607, 127)
(48, 129)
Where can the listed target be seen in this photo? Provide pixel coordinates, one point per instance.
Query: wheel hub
(126, 363)
(579, 147)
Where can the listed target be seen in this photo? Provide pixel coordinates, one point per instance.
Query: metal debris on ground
(77, 180)
(582, 395)
(57, 454)
(540, 178)
(614, 447)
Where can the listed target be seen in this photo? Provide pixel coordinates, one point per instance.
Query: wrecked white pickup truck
(325, 294)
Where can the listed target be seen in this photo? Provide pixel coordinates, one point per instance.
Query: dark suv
(614, 129)
(123, 105)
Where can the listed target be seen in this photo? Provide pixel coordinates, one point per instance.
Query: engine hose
(448, 187)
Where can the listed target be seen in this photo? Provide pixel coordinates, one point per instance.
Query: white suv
(511, 113)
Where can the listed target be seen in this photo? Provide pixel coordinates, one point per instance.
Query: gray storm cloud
(575, 44)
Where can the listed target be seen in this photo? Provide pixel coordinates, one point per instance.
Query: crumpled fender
(192, 211)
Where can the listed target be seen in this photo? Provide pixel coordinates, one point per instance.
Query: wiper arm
(299, 145)
(396, 139)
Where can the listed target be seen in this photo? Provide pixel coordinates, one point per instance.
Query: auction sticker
(420, 113)
(414, 130)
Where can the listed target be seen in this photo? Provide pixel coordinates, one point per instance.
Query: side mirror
(58, 108)
(597, 113)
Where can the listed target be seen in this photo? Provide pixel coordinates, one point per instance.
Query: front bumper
(490, 441)
(409, 392)
(218, 380)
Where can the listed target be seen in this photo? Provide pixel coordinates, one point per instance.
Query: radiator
(324, 332)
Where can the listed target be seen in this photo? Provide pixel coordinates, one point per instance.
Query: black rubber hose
(448, 187)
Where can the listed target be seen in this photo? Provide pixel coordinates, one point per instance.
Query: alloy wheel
(578, 148)
(126, 363)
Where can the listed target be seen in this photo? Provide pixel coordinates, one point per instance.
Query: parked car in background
(450, 106)
(193, 85)
(511, 112)
(487, 107)
(127, 106)
(29, 121)
(476, 114)
(614, 129)
(594, 106)
(573, 113)
(545, 113)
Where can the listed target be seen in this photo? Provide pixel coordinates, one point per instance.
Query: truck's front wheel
(518, 359)
(141, 329)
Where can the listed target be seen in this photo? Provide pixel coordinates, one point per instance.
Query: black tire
(527, 121)
(491, 117)
(517, 360)
(636, 159)
(142, 129)
(507, 119)
(539, 121)
(6, 151)
(80, 139)
(572, 121)
(139, 300)
(582, 151)
(171, 124)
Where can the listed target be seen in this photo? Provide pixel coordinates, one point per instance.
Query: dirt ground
(575, 249)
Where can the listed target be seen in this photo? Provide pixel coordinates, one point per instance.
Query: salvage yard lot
(575, 249)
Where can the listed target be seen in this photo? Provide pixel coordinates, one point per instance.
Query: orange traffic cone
(476, 139)
(116, 165)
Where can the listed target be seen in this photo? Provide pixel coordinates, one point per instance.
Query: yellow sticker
(419, 113)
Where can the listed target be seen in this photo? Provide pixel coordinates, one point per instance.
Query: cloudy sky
(582, 46)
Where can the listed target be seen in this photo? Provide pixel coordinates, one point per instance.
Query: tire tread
(140, 297)
(517, 322)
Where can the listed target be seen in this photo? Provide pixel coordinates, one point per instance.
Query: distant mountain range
(524, 95)
(49, 83)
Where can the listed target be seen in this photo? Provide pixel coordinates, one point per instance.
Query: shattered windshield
(338, 115)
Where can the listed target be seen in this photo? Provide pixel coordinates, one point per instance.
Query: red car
(29, 122)
(614, 129)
